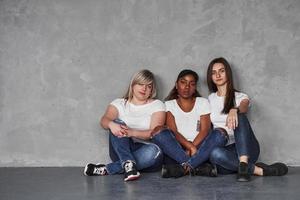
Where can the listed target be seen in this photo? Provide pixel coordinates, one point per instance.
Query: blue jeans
(227, 158)
(147, 156)
(170, 146)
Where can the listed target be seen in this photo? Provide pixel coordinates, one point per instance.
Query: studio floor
(68, 183)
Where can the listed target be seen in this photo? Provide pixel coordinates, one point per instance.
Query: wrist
(192, 146)
(110, 124)
(236, 109)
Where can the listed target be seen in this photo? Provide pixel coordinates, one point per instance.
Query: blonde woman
(131, 121)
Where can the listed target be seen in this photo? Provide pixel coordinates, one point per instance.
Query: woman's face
(142, 91)
(186, 86)
(219, 74)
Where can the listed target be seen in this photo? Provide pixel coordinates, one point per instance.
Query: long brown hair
(174, 93)
(230, 90)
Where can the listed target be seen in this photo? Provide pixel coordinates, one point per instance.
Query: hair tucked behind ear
(230, 91)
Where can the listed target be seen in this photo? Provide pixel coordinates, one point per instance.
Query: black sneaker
(95, 170)
(206, 169)
(243, 174)
(131, 172)
(173, 170)
(275, 169)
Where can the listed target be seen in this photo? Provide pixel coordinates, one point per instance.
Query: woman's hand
(232, 119)
(191, 150)
(158, 129)
(118, 130)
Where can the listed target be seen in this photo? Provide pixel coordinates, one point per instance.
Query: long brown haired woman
(228, 112)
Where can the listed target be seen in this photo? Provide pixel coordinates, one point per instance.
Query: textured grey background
(62, 62)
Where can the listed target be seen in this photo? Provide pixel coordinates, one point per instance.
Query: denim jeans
(170, 146)
(227, 158)
(146, 155)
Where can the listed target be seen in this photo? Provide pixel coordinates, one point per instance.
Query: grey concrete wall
(62, 62)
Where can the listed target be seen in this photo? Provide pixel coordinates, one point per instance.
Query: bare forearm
(244, 106)
(104, 122)
(200, 137)
(243, 109)
(182, 140)
(144, 135)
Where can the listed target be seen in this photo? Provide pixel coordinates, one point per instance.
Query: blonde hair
(141, 77)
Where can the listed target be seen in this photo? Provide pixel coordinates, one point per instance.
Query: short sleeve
(169, 105)
(158, 106)
(118, 103)
(211, 97)
(204, 106)
(239, 97)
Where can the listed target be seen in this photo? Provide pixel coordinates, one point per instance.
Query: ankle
(258, 171)
(128, 165)
(244, 159)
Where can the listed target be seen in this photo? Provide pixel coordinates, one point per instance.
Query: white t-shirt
(137, 116)
(188, 123)
(217, 117)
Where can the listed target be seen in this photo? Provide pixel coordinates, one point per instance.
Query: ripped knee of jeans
(158, 129)
(222, 131)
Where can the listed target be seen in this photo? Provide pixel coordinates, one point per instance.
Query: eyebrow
(218, 69)
(187, 80)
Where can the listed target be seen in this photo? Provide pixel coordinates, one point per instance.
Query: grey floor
(69, 184)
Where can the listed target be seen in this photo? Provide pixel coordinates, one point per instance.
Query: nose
(218, 75)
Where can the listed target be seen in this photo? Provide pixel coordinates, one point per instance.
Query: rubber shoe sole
(243, 179)
(132, 177)
(86, 168)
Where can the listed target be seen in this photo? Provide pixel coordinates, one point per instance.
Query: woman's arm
(244, 106)
(205, 124)
(170, 122)
(157, 119)
(232, 118)
(107, 122)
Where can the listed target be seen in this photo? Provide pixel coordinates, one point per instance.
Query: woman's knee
(216, 155)
(152, 152)
(242, 118)
(114, 139)
(162, 134)
(220, 135)
(158, 130)
(221, 131)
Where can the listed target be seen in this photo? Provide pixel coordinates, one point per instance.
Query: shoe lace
(128, 166)
(100, 170)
